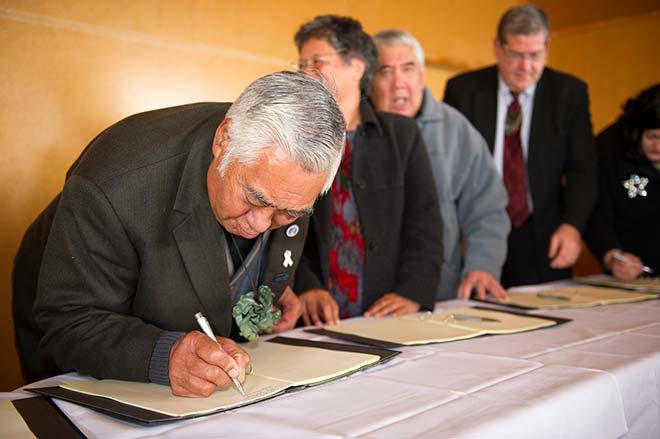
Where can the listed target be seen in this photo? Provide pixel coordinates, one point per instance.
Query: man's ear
(496, 48)
(358, 67)
(221, 137)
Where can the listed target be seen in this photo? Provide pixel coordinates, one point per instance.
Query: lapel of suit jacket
(541, 126)
(277, 275)
(322, 228)
(200, 238)
(200, 242)
(485, 107)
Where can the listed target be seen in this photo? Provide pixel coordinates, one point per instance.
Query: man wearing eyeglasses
(536, 123)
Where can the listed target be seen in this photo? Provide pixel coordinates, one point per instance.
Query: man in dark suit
(536, 122)
(175, 211)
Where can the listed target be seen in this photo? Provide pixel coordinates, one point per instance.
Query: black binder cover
(143, 416)
(389, 345)
(45, 419)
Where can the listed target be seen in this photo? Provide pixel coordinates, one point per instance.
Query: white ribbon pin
(288, 262)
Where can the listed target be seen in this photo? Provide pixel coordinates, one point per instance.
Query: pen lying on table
(206, 327)
(620, 257)
(467, 318)
(553, 296)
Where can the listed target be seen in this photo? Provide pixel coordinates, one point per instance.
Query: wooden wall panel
(73, 67)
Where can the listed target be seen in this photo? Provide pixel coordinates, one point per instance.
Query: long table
(597, 376)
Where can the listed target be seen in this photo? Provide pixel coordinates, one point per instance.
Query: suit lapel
(289, 239)
(198, 236)
(541, 126)
(321, 220)
(485, 108)
(200, 241)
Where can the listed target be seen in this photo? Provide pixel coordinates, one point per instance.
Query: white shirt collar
(505, 92)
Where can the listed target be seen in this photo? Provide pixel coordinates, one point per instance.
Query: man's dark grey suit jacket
(134, 248)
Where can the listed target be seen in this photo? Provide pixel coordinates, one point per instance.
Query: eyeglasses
(512, 55)
(316, 62)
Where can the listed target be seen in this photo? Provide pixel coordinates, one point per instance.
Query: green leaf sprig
(254, 314)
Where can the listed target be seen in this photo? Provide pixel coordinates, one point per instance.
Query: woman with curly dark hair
(624, 231)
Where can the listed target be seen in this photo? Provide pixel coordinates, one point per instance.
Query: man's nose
(398, 79)
(260, 219)
(526, 63)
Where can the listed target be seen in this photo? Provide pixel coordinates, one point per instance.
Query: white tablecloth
(595, 377)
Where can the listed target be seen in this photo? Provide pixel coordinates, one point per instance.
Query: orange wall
(617, 58)
(72, 67)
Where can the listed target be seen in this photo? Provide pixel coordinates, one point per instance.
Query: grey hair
(399, 37)
(293, 112)
(525, 19)
(348, 38)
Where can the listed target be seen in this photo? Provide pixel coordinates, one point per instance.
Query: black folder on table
(451, 325)
(45, 419)
(642, 284)
(141, 415)
(572, 296)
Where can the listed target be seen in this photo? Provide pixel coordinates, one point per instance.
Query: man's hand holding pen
(198, 366)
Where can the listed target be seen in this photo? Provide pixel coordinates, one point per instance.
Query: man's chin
(246, 235)
(239, 231)
(402, 109)
(524, 83)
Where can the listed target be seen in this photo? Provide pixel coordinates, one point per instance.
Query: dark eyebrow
(259, 197)
(300, 213)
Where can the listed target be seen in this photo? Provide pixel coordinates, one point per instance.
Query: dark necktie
(514, 165)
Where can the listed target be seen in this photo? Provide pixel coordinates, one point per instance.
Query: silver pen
(467, 318)
(619, 257)
(206, 327)
(553, 296)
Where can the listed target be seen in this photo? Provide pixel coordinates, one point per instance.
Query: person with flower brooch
(375, 241)
(624, 230)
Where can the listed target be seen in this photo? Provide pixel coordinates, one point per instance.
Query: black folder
(148, 417)
(389, 345)
(45, 419)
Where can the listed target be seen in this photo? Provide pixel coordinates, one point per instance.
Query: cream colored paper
(649, 284)
(574, 297)
(303, 365)
(13, 425)
(440, 327)
(275, 368)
